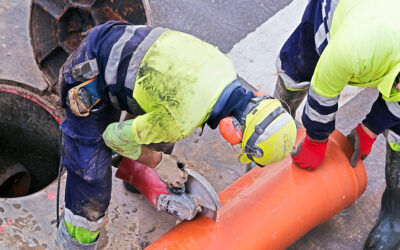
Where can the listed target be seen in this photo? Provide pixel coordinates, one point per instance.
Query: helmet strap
(251, 148)
(251, 106)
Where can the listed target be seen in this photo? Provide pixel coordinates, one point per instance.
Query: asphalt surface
(224, 24)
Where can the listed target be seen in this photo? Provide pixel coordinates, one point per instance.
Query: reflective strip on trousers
(289, 83)
(65, 241)
(79, 221)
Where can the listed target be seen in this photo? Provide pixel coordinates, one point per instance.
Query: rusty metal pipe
(15, 180)
(272, 207)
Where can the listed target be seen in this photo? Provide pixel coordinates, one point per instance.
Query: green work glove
(171, 172)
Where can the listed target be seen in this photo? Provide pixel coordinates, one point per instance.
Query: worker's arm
(127, 137)
(148, 156)
(332, 74)
(118, 136)
(361, 56)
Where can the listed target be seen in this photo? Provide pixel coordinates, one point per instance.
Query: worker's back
(363, 49)
(173, 77)
(183, 75)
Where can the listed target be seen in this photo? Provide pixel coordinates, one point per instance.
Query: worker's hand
(362, 144)
(171, 171)
(309, 153)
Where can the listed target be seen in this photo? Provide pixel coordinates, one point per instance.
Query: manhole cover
(56, 26)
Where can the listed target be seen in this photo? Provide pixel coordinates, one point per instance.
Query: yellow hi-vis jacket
(178, 83)
(364, 49)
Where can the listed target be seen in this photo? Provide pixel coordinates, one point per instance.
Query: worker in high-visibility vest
(172, 83)
(339, 43)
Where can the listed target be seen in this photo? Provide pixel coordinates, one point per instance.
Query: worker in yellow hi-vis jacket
(172, 83)
(341, 42)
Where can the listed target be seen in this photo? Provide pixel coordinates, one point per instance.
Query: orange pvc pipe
(272, 207)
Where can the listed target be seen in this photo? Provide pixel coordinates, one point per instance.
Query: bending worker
(173, 83)
(355, 42)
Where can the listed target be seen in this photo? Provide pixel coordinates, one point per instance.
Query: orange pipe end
(272, 207)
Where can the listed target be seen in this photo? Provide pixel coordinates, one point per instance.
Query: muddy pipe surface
(272, 207)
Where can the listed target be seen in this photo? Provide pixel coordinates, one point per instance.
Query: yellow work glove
(169, 172)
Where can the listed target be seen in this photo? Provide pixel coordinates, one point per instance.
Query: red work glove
(362, 144)
(309, 154)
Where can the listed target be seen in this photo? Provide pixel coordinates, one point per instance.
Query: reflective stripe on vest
(134, 64)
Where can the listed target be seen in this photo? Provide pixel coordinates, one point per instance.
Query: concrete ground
(251, 32)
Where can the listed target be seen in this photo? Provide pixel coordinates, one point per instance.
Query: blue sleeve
(383, 115)
(319, 115)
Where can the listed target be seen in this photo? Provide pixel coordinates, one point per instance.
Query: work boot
(386, 233)
(290, 99)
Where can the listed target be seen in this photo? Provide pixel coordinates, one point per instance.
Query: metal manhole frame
(49, 59)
